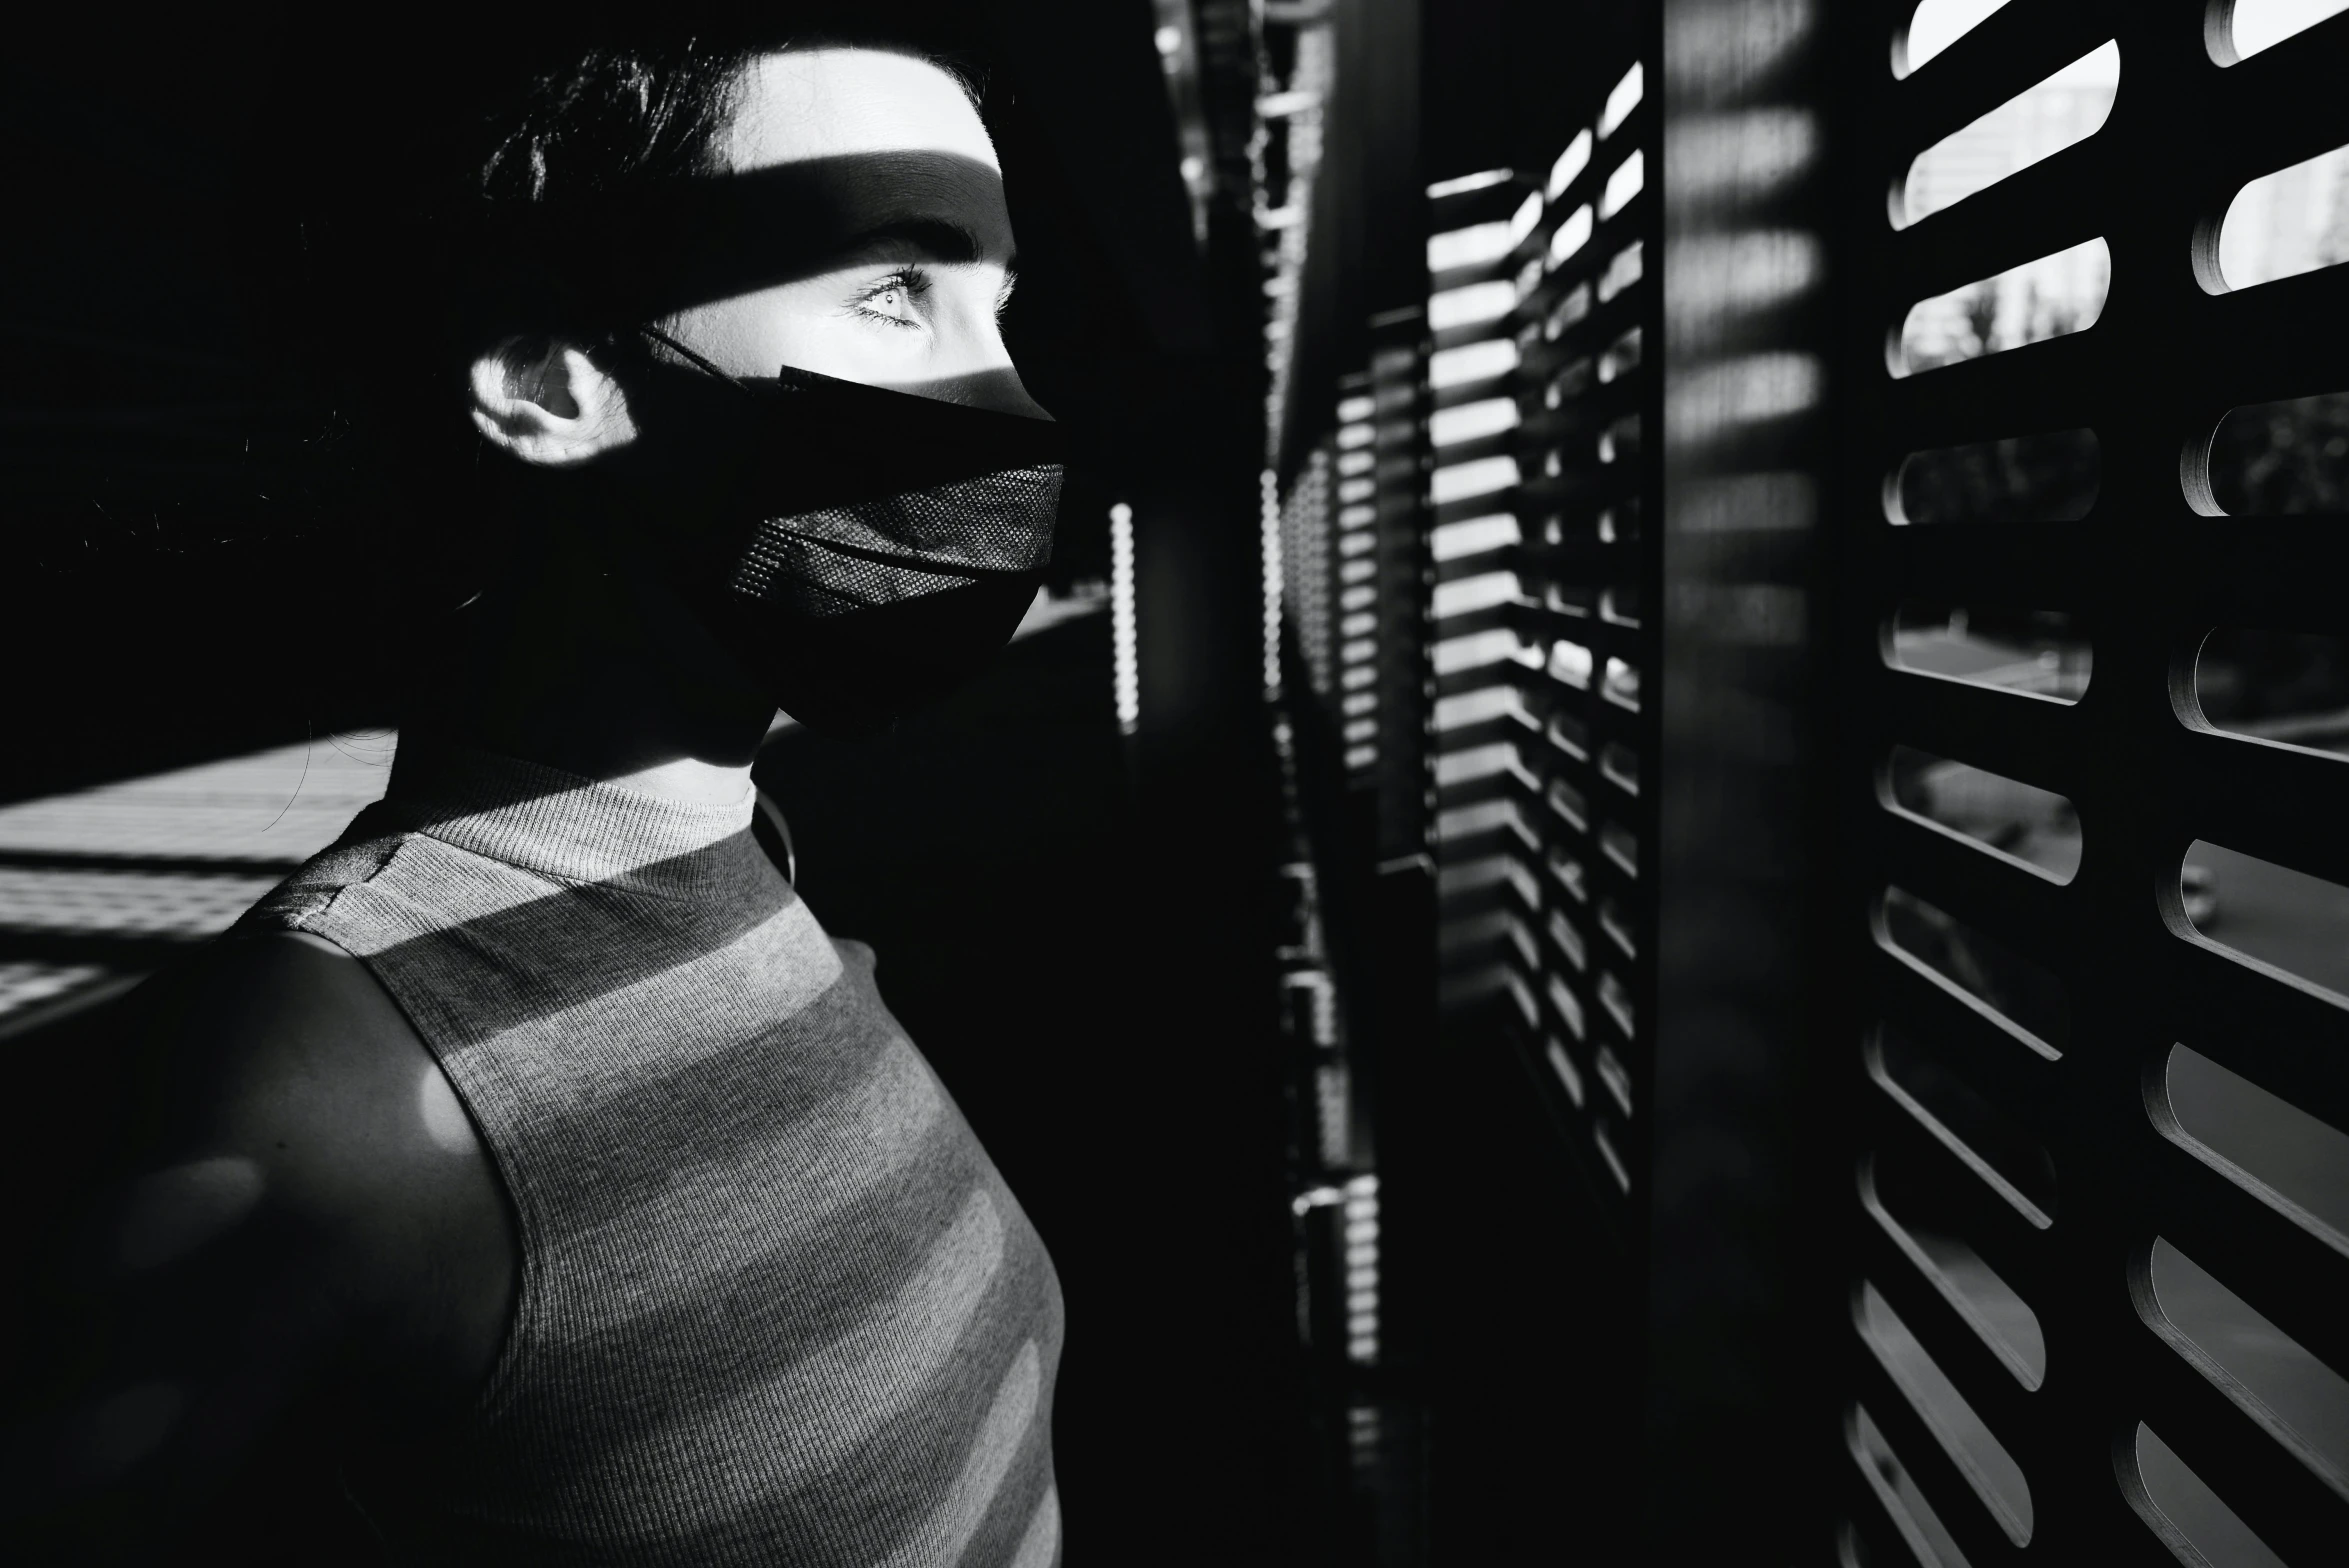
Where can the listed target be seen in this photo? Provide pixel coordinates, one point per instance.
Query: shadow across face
(617, 259)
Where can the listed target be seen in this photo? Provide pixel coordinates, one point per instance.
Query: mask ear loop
(675, 347)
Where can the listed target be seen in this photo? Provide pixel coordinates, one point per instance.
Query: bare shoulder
(300, 1217)
(285, 1051)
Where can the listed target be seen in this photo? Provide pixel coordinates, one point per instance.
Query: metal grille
(1352, 554)
(1345, 605)
(1544, 570)
(2082, 1331)
(1346, 724)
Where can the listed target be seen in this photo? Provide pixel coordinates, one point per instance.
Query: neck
(600, 672)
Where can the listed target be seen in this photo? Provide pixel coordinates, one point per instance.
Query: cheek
(810, 328)
(754, 333)
(852, 349)
(961, 358)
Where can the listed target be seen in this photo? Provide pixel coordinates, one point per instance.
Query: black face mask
(860, 551)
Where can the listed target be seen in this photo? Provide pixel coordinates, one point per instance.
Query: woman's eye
(891, 301)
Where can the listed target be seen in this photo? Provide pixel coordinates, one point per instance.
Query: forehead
(834, 103)
(834, 158)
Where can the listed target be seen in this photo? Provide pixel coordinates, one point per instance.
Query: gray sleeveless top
(776, 1305)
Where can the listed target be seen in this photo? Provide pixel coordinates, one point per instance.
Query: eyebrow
(945, 241)
(688, 242)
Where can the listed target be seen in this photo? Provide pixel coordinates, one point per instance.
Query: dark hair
(399, 199)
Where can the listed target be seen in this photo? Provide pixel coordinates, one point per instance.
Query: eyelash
(911, 281)
(915, 283)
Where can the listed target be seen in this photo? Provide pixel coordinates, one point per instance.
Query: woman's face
(912, 247)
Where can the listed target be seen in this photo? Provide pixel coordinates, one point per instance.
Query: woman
(533, 1142)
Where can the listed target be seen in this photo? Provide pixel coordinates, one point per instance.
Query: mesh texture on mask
(823, 562)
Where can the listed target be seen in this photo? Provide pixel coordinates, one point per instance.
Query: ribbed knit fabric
(776, 1305)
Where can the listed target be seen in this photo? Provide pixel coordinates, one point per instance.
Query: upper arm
(257, 1251)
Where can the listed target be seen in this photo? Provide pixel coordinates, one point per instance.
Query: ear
(547, 403)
